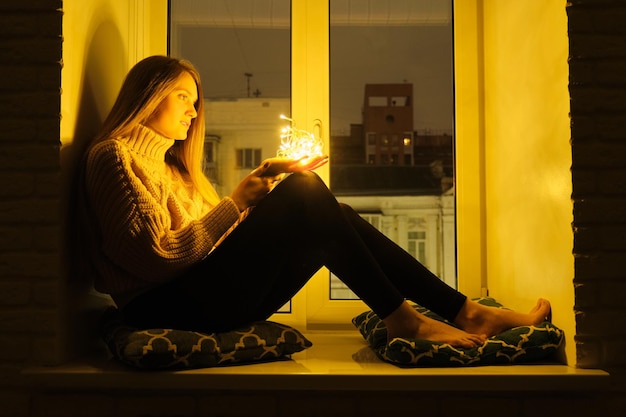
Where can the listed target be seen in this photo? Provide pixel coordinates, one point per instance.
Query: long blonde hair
(147, 84)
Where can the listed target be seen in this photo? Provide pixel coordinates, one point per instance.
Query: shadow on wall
(104, 70)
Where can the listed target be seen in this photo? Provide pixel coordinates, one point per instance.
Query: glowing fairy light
(296, 143)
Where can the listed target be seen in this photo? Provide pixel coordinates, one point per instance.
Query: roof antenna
(248, 76)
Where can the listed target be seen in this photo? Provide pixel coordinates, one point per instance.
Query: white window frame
(310, 107)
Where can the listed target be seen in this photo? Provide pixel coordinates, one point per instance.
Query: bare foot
(481, 319)
(406, 322)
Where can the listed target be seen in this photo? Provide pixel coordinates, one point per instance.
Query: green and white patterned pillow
(522, 344)
(158, 349)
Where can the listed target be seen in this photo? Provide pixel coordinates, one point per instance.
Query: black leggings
(298, 228)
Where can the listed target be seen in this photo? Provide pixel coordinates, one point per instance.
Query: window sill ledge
(338, 361)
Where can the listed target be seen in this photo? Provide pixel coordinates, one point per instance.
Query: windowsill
(337, 361)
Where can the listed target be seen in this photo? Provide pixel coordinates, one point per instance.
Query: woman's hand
(252, 189)
(275, 166)
(260, 182)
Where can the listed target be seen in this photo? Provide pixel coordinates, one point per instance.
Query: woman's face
(173, 116)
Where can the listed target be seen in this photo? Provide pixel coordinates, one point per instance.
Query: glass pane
(392, 123)
(242, 51)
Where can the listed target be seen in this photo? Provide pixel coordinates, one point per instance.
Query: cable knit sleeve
(142, 229)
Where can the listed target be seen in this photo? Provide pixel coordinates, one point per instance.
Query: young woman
(172, 253)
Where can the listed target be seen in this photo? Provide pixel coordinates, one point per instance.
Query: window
(210, 163)
(417, 245)
(268, 62)
(248, 158)
(377, 101)
(400, 101)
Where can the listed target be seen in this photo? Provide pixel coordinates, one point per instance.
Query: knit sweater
(147, 223)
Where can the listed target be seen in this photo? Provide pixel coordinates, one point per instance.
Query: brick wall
(31, 280)
(597, 37)
(30, 75)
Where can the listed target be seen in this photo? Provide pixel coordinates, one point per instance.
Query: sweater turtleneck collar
(146, 141)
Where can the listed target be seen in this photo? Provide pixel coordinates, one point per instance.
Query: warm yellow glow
(102, 40)
(514, 209)
(297, 143)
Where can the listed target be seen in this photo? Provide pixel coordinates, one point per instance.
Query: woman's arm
(134, 215)
(255, 186)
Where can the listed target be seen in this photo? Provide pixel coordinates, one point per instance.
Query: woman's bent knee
(301, 181)
(306, 176)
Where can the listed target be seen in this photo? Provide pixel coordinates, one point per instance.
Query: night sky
(421, 55)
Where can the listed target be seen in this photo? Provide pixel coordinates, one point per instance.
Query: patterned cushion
(517, 345)
(181, 349)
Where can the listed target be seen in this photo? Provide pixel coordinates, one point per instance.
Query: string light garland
(297, 143)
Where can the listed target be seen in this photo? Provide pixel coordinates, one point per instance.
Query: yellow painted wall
(513, 178)
(102, 40)
(524, 156)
